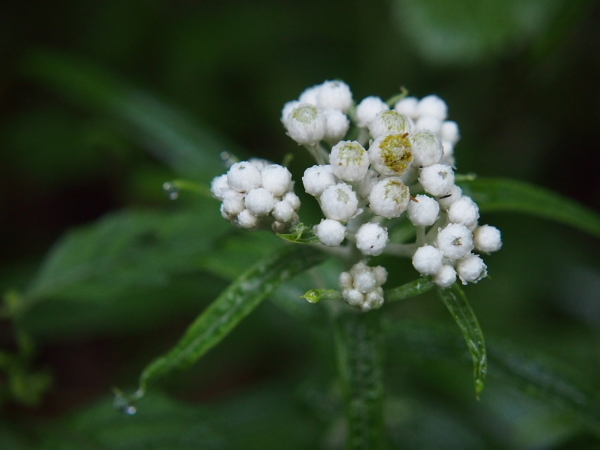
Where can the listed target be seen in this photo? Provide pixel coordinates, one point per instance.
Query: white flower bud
(218, 186)
(455, 241)
(426, 148)
(353, 297)
(367, 110)
(427, 260)
(306, 124)
(337, 125)
(365, 281)
(389, 122)
(448, 199)
(260, 163)
(346, 280)
(391, 154)
(330, 232)
(276, 179)
(364, 186)
(224, 215)
(339, 202)
(448, 156)
(445, 277)
(437, 179)
(246, 220)
(371, 239)
(433, 106)
(464, 210)
(487, 239)
(233, 203)
(283, 211)
(349, 161)
(309, 95)
(449, 131)
(287, 109)
(428, 123)
(471, 269)
(423, 212)
(380, 274)
(389, 198)
(334, 95)
(243, 177)
(407, 106)
(292, 199)
(373, 300)
(318, 178)
(259, 202)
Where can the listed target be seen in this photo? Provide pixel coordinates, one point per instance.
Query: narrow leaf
(300, 234)
(496, 194)
(233, 305)
(456, 301)
(408, 290)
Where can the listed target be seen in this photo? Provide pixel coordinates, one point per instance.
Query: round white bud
(292, 199)
(391, 154)
(218, 186)
(426, 148)
(464, 210)
(358, 268)
(337, 125)
(437, 179)
(455, 241)
(318, 178)
(389, 122)
(487, 239)
(428, 123)
(349, 161)
(309, 95)
(330, 232)
(346, 280)
(448, 156)
(243, 177)
(334, 95)
(339, 202)
(449, 131)
(233, 203)
(259, 202)
(367, 110)
(407, 106)
(287, 109)
(246, 220)
(283, 211)
(471, 269)
(380, 274)
(448, 199)
(432, 106)
(371, 239)
(276, 179)
(427, 260)
(373, 300)
(259, 163)
(445, 277)
(364, 186)
(389, 198)
(365, 281)
(306, 124)
(424, 211)
(353, 297)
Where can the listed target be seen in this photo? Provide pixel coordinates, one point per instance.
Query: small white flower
(428, 123)
(487, 239)
(346, 280)
(259, 163)
(306, 124)
(389, 122)
(367, 110)
(276, 179)
(219, 186)
(365, 281)
(259, 202)
(380, 274)
(337, 125)
(437, 179)
(371, 239)
(287, 109)
(427, 260)
(448, 199)
(445, 277)
(349, 161)
(364, 186)
(283, 211)
(389, 198)
(391, 154)
(353, 297)
(334, 95)
(318, 178)
(246, 219)
(433, 106)
(423, 212)
(233, 203)
(330, 232)
(373, 300)
(449, 132)
(243, 177)
(448, 156)
(464, 210)
(455, 241)
(471, 269)
(292, 199)
(426, 148)
(339, 202)
(309, 95)
(407, 106)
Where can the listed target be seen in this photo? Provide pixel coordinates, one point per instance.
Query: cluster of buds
(256, 193)
(361, 286)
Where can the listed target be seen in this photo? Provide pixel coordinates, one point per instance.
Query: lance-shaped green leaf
(496, 194)
(456, 301)
(360, 353)
(300, 234)
(408, 290)
(233, 305)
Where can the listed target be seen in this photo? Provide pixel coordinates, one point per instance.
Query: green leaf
(408, 290)
(496, 194)
(300, 234)
(188, 149)
(456, 301)
(359, 348)
(232, 306)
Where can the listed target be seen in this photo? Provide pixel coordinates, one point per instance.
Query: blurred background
(521, 78)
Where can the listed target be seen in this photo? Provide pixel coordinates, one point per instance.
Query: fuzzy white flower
(259, 202)
(233, 203)
(334, 95)
(428, 123)
(330, 232)
(390, 154)
(283, 211)
(292, 199)
(309, 95)
(389, 122)
(337, 125)
(367, 110)
(365, 281)
(437, 179)
(243, 177)
(306, 124)
(339, 202)
(219, 186)
(365, 186)
(353, 296)
(259, 163)
(246, 219)
(487, 239)
(464, 210)
(424, 211)
(433, 106)
(276, 179)
(427, 260)
(449, 131)
(448, 199)
(407, 106)
(471, 269)
(455, 241)
(287, 109)
(426, 148)
(349, 161)
(389, 198)
(445, 277)
(318, 178)
(371, 239)
(380, 274)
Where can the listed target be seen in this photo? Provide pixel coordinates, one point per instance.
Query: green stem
(360, 354)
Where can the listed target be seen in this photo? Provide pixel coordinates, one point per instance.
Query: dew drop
(171, 190)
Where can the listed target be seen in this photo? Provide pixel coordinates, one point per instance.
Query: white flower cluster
(256, 192)
(361, 286)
